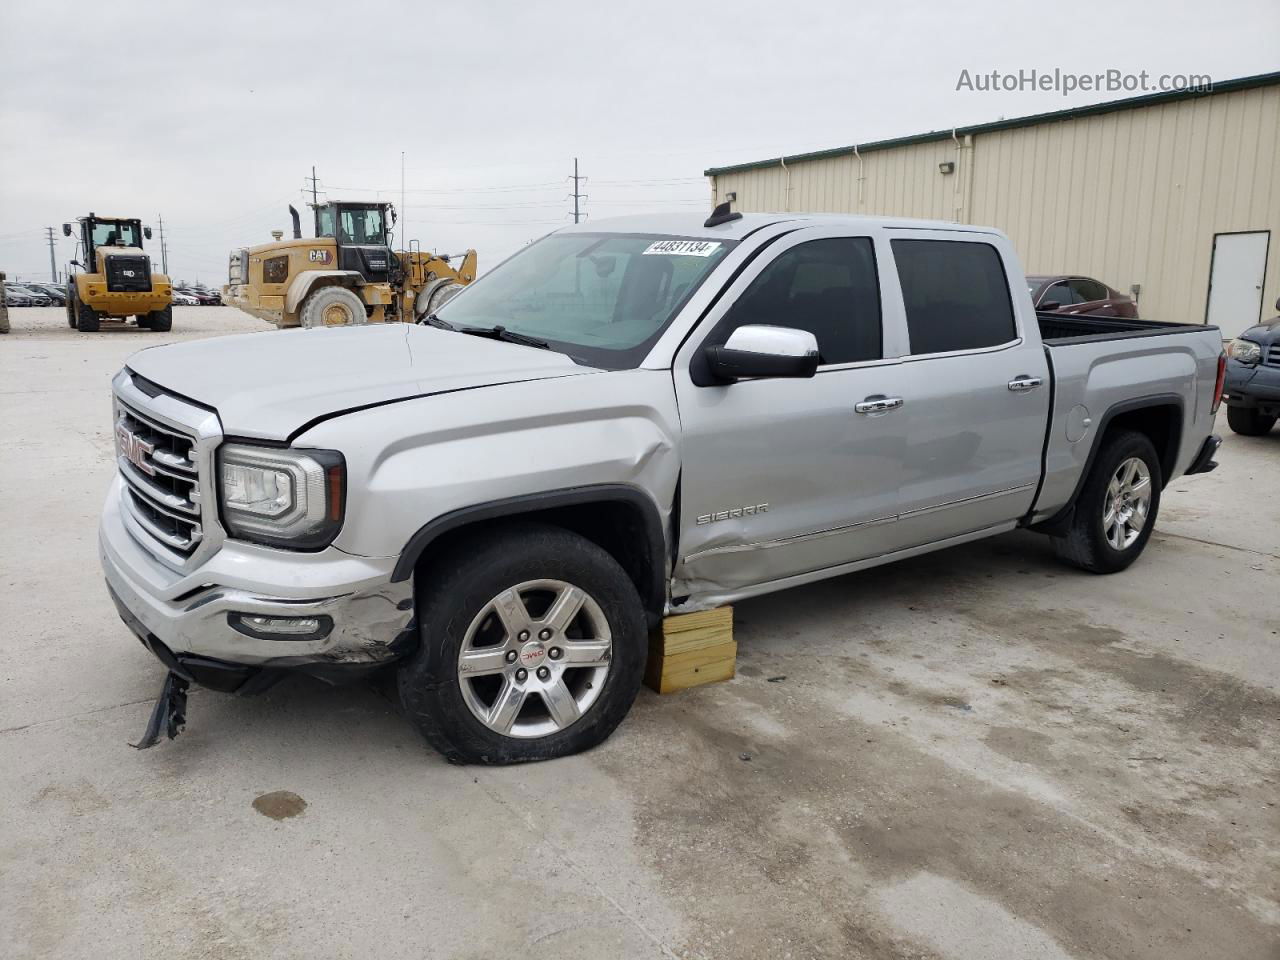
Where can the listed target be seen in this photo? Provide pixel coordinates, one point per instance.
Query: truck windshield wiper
(498, 332)
(502, 333)
(433, 321)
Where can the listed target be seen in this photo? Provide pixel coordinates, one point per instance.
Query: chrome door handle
(878, 404)
(1019, 384)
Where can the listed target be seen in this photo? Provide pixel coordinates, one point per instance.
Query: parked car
(23, 296)
(1253, 379)
(15, 295)
(206, 298)
(56, 293)
(501, 503)
(4, 306)
(1079, 296)
(183, 299)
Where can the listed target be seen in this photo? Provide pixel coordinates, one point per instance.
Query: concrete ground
(978, 754)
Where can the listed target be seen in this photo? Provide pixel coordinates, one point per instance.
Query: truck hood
(270, 385)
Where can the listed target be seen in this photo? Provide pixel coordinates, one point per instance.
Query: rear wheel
(71, 306)
(1117, 508)
(88, 320)
(532, 647)
(332, 307)
(160, 320)
(1248, 422)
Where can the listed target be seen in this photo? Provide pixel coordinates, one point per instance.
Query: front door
(1235, 282)
(782, 477)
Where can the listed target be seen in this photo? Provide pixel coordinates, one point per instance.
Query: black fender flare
(654, 533)
(1063, 516)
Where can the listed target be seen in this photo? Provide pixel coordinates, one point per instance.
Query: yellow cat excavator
(347, 274)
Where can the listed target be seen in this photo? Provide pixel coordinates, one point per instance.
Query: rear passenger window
(827, 287)
(956, 295)
(1087, 291)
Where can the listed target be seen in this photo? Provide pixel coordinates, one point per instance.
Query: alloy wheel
(534, 659)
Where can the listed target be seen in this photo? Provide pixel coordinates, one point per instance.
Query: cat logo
(318, 256)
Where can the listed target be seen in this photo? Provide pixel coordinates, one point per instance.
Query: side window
(1059, 293)
(827, 287)
(324, 223)
(956, 295)
(1088, 291)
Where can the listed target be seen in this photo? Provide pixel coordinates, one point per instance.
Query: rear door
(975, 384)
(782, 477)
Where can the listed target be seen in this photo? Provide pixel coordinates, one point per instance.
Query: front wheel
(1248, 422)
(532, 647)
(88, 320)
(1117, 508)
(332, 307)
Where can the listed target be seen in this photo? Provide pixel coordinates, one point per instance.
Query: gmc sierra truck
(624, 421)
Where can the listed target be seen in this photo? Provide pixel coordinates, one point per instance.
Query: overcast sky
(211, 114)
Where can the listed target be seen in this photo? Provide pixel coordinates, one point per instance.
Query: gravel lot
(977, 754)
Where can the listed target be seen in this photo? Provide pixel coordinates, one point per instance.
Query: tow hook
(169, 712)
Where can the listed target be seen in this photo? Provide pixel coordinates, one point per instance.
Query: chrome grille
(164, 452)
(163, 479)
(1271, 355)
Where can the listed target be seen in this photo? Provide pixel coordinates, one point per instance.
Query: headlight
(1246, 351)
(282, 498)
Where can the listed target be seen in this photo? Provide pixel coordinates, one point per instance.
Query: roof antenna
(721, 215)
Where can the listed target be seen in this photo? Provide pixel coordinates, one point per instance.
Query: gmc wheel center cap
(532, 654)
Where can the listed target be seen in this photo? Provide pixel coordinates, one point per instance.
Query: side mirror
(77, 263)
(66, 229)
(764, 351)
(146, 232)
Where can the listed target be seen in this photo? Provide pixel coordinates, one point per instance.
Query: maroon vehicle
(1079, 296)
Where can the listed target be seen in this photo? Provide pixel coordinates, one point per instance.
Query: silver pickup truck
(624, 421)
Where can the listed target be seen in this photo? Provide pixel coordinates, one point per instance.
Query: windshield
(107, 233)
(601, 298)
(362, 225)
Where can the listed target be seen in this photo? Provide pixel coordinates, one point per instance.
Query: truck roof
(691, 224)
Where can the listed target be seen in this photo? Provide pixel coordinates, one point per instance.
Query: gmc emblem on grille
(134, 449)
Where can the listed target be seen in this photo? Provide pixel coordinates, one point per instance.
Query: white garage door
(1235, 283)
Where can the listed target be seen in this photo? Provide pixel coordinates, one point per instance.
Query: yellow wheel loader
(115, 281)
(348, 274)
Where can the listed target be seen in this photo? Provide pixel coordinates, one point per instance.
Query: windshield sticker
(683, 248)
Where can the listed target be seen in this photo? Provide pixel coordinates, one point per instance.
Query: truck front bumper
(196, 622)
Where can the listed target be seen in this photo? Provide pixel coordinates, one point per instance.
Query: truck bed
(1057, 329)
(1102, 364)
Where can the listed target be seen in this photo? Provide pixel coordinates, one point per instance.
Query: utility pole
(314, 201)
(164, 249)
(53, 261)
(577, 212)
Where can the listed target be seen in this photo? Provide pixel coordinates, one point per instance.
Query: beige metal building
(1176, 193)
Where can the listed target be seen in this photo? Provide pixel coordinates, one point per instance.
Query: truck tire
(332, 306)
(1117, 507)
(1248, 422)
(88, 320)
(161, 321)
(533, 643)
(71, 306)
